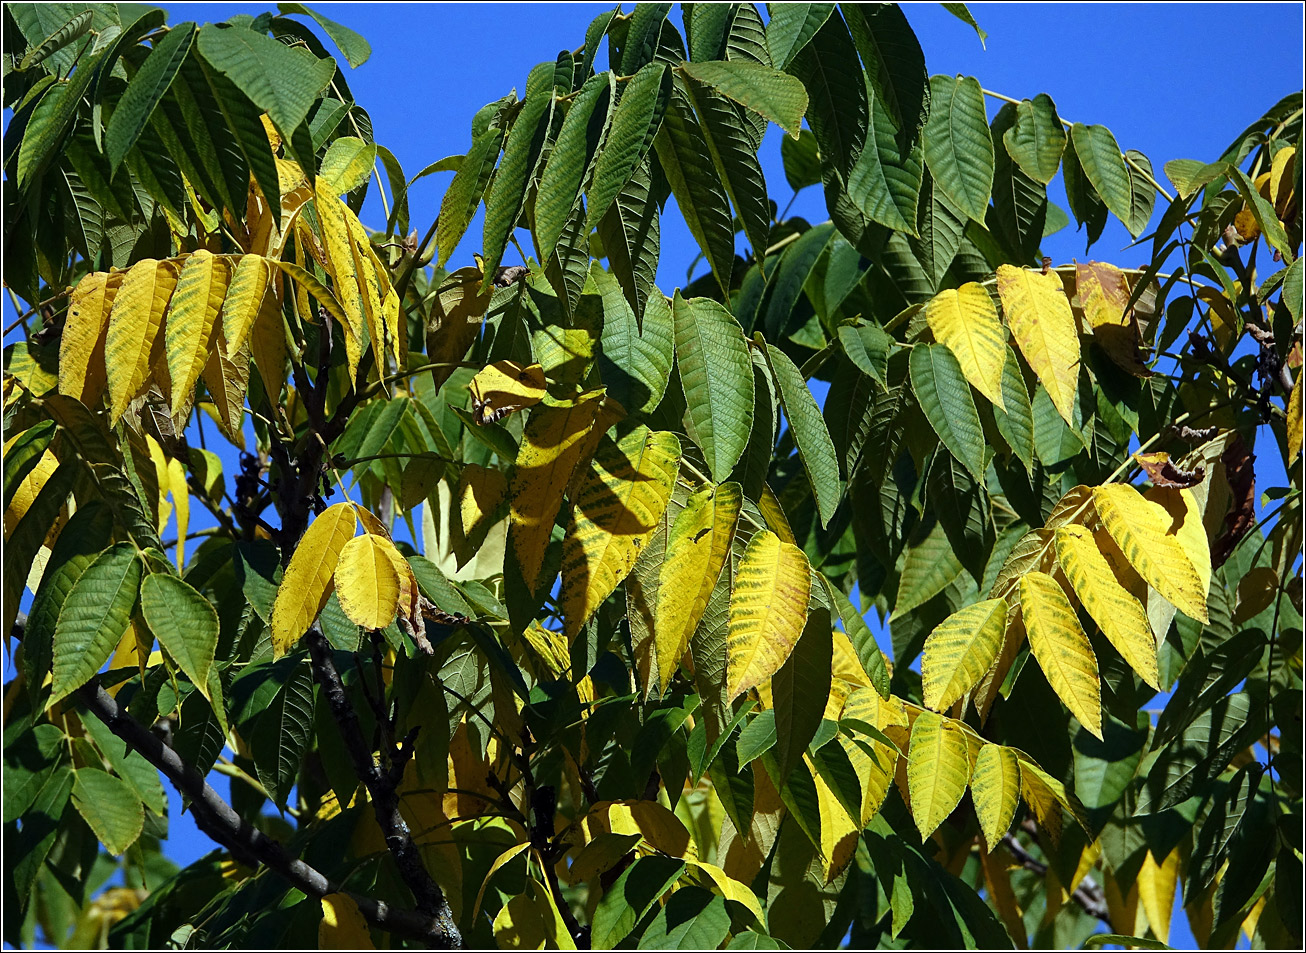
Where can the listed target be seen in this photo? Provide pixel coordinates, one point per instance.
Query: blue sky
(1172, 80)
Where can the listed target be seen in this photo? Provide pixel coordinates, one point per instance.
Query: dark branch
(381, 785)
(216, 818)
(1088, 894)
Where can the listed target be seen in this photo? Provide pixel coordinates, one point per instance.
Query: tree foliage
(620, 688)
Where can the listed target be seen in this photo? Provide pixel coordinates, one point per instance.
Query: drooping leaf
(812, 42)
(134, 324)
(194, 308)
(930, 566)
(143, 93)
(791, 27)
(775, 95)
(184, 622)
(958, 147)
(1104, 166)
(717, 376)
(306, 584)
(945, 398)
(617, 508)
(572, 159)
(635, 121)
(800, 689)
(631, 234)
(995, 789)
(1043, 325)
(94, 617)
(810, 434)
(110, 806)
(355, 47)
(1061, 647)
(960, 650)
(366, 581)
(767, 608)
(1037, 139)
(966, 321)
(938, 770)
(894, 63)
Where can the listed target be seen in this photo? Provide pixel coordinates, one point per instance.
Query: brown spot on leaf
(1163, 471)
(1238, 470)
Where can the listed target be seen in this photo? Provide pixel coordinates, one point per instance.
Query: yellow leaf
(553, 444)
(660, 827)
(1146, 533)
(966, 321)
(742, 854)
(343, 926)
(960, 650)
(995, 789)
(267, 345)
(838, 830)
(1061, 648)
(697, 549)
(1156, 891)
(81, 347)
(482, 492)
(1122, 906)
(1046, 796)
(499, 862)
(307, 582)
(555, 928)
(1103, 294)
(195, 306)
(1032, 551)
(227, 380)
(875, 764)
(367, 581)
(938, 769)
(30, 486)
(519, 925)
(730, 888)
(769, 506)
(455, 321)
(340, 262)
(1294, 419)
(1013, 638)
(997, 882)
(180, 499)
(504, 388)
(134, 324)
(768, 607)
(615, 512)
(249, 285)
(1042, 323)
(1120, 616)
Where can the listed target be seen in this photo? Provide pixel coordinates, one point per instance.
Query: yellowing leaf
(195, 306)
(227, 380)
(730, 888)
(1103, 294)
(1146, 533)
(1294, 418)
(838, 830)
(180, 499)
(81, 347)
(1042, 323)
(554, 442)
(29, 487)
(343, 927)
(1186, 525)
(938, 769)
(960, 650)
(1062, 648)
(367, 581)
(503, 388)
(616, 510)
(768, 504)
(697, 550)
(519, 925)
(995, 790)
(499, 862)
(966, 321)
(659, 826)
(1156, 891)
(307, 582)
(134, 324)
(1120, 616)
(768, 607)
(249, 284)
(340, 259)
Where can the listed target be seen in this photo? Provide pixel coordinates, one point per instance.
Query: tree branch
(1088, 894)
(216, 818)
(385, 799)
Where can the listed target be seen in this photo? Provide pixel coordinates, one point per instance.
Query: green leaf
(944, 396)
(1020, 204)
(692, 919)
(22, 456)
(1037, 138)
(130, 765)
(868, 346)
(800, 689)
(958, 147)
(775, 95)
(1015, 419)
(642, 36)
(863, 640)
(1219, 827)
(1201, 751)
(717, 376)
(1099, 156)
(94, 617)
(693, 179)
(635, 122)
(930, 567)
(786, 283)
(74, 29)
(802, 160)
(250, 137)
(635, 891)
(940, 227)
(1262, 211)
(630, 231)
(894, 63)
(348, 164)
(792, 26)
(184, 622)
(356, 49)
(885, 182)
(280, 736)
(110, 807)
(572, 159)
(52, 119)
(1085, 204)
(814, 445)
(634, 361)
(144, 92)
(959, 11)
(828, 66)
(281, 81)
(758, 737)
(464, 194)
(734, 156)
